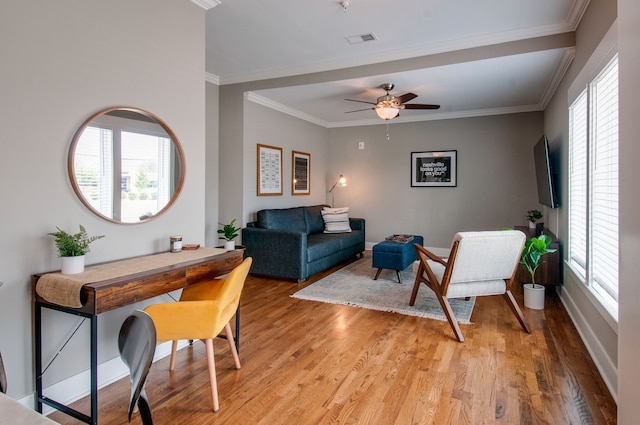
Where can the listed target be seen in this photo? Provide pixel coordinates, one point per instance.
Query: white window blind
(604, 179)
(593, 184)
(578, 184)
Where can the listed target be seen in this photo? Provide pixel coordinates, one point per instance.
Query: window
(593, 185)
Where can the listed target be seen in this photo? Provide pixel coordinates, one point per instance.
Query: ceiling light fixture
(345, 4)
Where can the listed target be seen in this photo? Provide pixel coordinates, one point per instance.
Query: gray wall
(268, 127)
(61, 62)
(629, 314)
(598, 329)
(496, 183)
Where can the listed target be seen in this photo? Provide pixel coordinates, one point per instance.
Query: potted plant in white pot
(72, 248)
(531, 259)
(532, 217)
(228, 233)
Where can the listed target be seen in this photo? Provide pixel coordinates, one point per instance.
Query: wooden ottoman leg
(377, 273)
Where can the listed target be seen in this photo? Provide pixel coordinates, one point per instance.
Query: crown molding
(212, 78)
(558, 75)
(206, 4)
(261, 100)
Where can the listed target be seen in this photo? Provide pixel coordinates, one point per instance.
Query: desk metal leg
(38, 354)
(94, 369)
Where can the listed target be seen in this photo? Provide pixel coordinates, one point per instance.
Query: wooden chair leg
(232, 346)
(212, 374)
(414, 293)
(446, 307)
(508, 296)
(172, 361)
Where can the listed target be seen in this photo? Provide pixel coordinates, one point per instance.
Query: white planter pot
(532, 225)
(230, 245)
(72, 265)
(534, 296)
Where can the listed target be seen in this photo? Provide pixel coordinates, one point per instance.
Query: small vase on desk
(230, 245)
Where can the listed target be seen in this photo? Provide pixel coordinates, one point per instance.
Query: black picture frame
(434, 169)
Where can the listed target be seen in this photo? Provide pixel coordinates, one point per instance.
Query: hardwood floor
(305, 362)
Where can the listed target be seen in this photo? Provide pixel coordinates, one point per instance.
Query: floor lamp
(341, 182)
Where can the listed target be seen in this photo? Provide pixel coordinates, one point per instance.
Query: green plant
(229, 232)
(73, 245)
(534, 215)
(532, 253)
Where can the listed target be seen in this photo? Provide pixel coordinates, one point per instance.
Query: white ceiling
(472, 57)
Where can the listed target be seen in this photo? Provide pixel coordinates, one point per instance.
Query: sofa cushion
(320, 245)
(336, 220)
(313, 217)
(291, 219)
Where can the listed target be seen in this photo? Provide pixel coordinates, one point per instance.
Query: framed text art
(269, 170)
(434, 169)
(300, 173)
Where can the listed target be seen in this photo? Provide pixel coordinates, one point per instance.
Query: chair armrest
(278, 253)
(356, 223)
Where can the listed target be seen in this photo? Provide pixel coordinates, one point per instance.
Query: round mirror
(126, 165)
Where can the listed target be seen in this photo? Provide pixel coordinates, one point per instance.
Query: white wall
(496, 178)
(61, 62)
(597, 329)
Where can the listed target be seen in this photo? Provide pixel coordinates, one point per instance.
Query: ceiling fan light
(387, 113)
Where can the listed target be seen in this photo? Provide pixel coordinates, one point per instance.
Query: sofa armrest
(277, 253)
(356, 223)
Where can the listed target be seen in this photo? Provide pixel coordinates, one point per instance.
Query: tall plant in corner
(532, 253)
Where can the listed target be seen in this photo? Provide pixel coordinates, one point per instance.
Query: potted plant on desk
(228, 233)
(531, 259)
(72, 248)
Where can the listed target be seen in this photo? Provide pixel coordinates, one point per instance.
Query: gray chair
(479, 264)
(137, 345)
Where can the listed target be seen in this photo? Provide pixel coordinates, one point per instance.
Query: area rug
(353, 285)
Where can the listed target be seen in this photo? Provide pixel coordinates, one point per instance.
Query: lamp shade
(386, 112)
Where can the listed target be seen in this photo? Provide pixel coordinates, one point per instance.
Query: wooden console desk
(126, 284)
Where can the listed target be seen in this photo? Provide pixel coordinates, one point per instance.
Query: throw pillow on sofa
(336, 220)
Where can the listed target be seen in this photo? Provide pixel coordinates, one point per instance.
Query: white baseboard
(76, 387)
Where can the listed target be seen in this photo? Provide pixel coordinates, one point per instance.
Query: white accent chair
(480, 263)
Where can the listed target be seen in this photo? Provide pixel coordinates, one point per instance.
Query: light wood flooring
(306, 362)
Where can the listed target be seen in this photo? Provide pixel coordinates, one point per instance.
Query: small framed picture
(269, 170)
(300, 173)
(434, 169)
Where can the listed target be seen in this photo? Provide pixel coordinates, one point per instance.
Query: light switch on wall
(360, 145)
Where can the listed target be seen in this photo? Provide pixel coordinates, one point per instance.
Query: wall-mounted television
(545, 177)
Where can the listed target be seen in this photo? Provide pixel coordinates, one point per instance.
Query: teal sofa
(290, 243)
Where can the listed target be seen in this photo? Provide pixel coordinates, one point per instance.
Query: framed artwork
(434, 169)
(269, 170)
(300, 173)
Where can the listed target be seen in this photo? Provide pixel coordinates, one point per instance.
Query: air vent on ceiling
(357, 39)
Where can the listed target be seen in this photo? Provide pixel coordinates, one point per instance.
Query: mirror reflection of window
(125, 167)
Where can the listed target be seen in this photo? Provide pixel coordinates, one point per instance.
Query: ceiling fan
(388, 107)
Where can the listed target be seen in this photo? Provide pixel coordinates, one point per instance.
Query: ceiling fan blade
(406, 97)
(360, 110)
(361, 101)
(419, 106)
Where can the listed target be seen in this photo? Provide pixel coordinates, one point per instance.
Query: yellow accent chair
(204, 310)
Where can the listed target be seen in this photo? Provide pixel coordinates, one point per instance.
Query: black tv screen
(545, 178)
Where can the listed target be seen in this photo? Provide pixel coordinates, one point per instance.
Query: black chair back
(137, 344)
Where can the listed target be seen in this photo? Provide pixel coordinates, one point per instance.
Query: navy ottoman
(395, 255)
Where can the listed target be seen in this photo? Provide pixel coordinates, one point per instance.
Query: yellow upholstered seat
(203, 311)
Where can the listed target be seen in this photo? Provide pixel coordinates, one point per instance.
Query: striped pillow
(336, 220)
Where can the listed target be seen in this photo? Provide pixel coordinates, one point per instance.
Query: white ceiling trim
(206, 4)
(261, 100)
(431, 49)
(556, 78)
(212, 78)
(578, 7)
